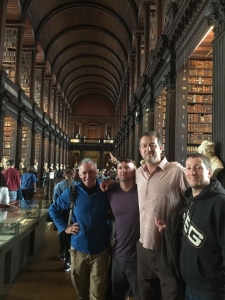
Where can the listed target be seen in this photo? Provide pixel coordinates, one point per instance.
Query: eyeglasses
(124, 159)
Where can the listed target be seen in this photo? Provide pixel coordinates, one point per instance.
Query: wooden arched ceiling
(87, 43)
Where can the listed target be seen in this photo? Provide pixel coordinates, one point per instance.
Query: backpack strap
(73, 191)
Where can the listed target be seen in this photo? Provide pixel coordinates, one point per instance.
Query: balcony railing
(84, 140)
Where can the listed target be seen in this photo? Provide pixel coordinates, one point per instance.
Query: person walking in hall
(90, 233)
(28, 183)
(123, 200)
(63, 237)
(160, 187)
(4, 191)
(12, 177)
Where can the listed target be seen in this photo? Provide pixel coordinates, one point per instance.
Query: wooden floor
(42, 278)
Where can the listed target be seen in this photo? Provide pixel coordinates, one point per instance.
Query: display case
(199, 106)
(17, 218)
(22, 233)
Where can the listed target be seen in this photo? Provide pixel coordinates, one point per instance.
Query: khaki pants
(89, 274)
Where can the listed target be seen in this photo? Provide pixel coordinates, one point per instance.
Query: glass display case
(16, 219)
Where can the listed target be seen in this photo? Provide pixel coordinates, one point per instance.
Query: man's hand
(105, 185)
(73, 229)
(160, 224)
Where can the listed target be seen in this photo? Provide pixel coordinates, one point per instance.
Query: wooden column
(138, 57)
(54, 105)
(3, 8)
(49, 96)
(218, 118)
(20, 123)
(19, 51)
(131, 138)
(3, 100)
(128, 88)
(146, 33)
(42, 87)
(132, 58)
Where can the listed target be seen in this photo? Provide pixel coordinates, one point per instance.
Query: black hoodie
(202, 258)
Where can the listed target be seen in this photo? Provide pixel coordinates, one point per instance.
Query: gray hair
(87, 161)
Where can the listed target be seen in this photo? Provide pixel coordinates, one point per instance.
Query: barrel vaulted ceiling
(84, 44)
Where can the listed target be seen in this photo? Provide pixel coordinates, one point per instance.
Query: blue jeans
(124, 279)
(12, 195)
(189, 295)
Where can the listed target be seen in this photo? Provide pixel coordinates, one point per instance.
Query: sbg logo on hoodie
(195, 236)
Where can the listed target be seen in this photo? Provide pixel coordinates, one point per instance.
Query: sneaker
(67, 267)
(62, 256)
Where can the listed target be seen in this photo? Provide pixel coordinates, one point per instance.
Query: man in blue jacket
(90, 233)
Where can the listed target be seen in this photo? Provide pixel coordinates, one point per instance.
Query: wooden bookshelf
(199, 106)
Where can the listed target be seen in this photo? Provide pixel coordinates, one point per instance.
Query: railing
(84, 140)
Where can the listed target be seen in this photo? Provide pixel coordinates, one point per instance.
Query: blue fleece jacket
(91, 213)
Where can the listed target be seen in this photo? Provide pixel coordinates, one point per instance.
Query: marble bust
(208, 149)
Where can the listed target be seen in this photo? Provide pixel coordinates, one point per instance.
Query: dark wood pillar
(19, 51)
(159, 18)
(217, 18)
(138, 57)
(42, 87)
(3, 100)
(131, 138)
(49, 96)
(146, 33)
(3, 8)
(132, 58)
(20, 123)
(128, 88)
(55, 104)
(138, 132)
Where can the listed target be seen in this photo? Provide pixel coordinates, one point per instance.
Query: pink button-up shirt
(158, 195)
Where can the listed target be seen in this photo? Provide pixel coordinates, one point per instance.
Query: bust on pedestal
(208, 149)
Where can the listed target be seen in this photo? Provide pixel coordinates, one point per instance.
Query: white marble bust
(208, 149)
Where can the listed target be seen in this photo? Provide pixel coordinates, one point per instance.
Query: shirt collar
(162, 164)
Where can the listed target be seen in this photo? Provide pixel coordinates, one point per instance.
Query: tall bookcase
(160, 117)
(45, 104)
(37, 91)
(26, 145)
(26, 72)
(9, 53)
(199, 112)
(152, 31)
(9, 138)
(37, 146)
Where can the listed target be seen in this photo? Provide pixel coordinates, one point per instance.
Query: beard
(151, 159)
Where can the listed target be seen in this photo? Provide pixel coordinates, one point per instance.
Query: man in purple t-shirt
(123, 199)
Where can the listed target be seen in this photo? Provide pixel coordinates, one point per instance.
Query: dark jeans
(124, 279)
(189, 295)
(64, 241)
(27, 193)
(153, 284)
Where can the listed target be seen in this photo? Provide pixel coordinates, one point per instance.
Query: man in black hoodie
(202, 258)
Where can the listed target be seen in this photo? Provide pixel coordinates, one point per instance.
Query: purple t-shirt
(125, 208)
